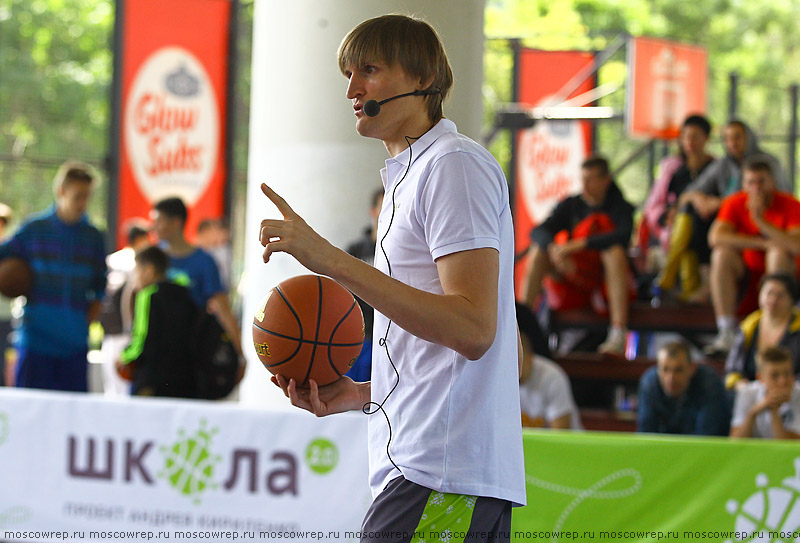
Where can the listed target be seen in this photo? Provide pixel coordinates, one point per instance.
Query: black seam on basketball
(309, 341)
(333, 333)
(299, 324)
(279, 363)
(316, 333)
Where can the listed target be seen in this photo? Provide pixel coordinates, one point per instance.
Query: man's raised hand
(293, 235)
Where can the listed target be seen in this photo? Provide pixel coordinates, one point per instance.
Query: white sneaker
(721, 344)
(614, 343)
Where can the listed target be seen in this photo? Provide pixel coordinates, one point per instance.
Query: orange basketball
(16, 277)
(308, 327)
(125, 371)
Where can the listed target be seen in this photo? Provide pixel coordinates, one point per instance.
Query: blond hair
(74, 171)
(772, 355)
(409, 42)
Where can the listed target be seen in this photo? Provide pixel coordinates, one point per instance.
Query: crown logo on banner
(182, 83)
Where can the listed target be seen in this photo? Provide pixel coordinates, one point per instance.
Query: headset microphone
(372, 107)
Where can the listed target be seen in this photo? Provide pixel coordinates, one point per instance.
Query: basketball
(16, 277)
(125, 371)
(308, 327)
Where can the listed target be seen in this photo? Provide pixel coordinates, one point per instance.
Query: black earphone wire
(367, 407)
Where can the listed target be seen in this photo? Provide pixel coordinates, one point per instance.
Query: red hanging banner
(549, 155)
(174, 71)
(667, 81)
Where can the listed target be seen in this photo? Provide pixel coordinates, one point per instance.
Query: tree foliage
(54, 95)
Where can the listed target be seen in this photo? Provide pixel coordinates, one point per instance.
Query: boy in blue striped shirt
(67, 256)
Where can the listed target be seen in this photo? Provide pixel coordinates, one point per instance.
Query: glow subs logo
(172, 128)
(550, 157)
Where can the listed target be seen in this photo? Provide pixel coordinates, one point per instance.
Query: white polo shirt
(546, 395)
(753, 392)
(455, 423)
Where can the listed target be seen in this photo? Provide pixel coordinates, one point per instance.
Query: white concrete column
(303, 141)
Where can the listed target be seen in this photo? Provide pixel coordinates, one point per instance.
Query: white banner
(76, 466)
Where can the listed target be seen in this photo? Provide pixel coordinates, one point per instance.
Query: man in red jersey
(757, 231)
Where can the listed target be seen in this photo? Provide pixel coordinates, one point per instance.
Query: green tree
(54, 95)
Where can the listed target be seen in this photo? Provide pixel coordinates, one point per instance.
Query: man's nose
(354, 87)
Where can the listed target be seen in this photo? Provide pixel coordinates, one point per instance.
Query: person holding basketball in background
(159, 355)
(67, 256)
(445, 361)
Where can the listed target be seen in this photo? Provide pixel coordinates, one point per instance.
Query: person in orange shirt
(757, 231)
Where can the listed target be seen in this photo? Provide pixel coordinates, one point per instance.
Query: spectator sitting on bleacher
(724, 176)
(769, 407)
(544, 390)
(678, 396)
(700, 202)
(757, 231)
(661, 209)
(579, 253)
(775, 323)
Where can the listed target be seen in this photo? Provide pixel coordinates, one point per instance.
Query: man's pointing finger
(279, 202)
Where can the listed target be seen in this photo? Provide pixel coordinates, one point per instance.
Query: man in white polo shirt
(445, 356)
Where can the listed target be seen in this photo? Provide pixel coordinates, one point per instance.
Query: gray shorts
(406, 512)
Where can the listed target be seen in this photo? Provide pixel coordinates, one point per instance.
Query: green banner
(624, 487)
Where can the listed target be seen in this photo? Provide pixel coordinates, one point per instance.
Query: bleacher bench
(670, 317)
